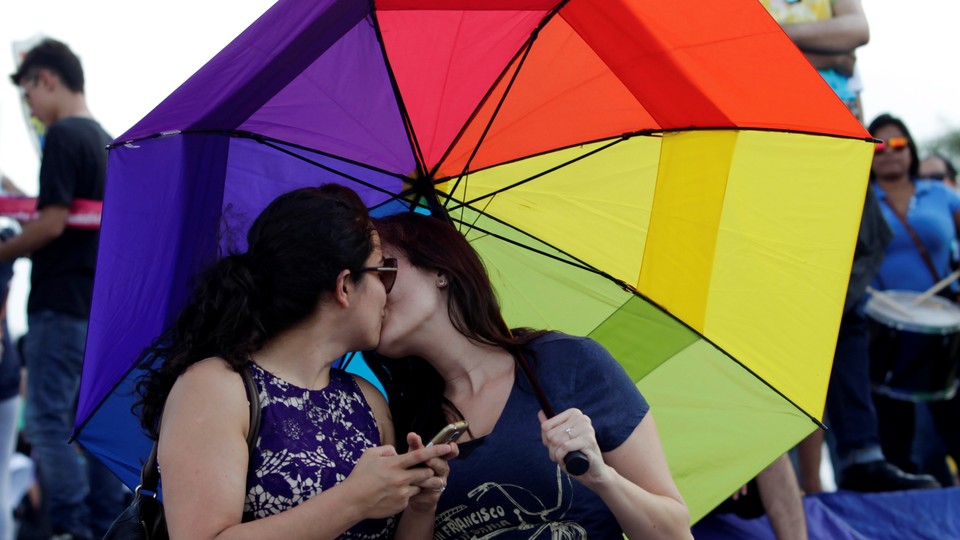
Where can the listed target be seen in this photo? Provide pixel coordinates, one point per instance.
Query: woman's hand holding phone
(432, 488)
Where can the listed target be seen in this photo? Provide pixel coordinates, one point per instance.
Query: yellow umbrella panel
(712, 264)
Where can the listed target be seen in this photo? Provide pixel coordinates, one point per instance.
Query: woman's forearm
(642, 514)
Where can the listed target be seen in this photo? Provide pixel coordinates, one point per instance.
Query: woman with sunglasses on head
(924, 216)
(446, 354)
(311, 286)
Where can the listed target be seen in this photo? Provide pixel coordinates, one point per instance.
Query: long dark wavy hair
(415, 389)
(296, 249)
(887, 119)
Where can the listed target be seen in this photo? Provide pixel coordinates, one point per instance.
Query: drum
(915, 350)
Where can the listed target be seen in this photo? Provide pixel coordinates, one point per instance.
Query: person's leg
(929, 450)
(782, 500)
(946, 418)
(9, 408)
(897, 431)
(54, 357)
(808, 460)
(106, 499)
(858, 425)
(849, 406)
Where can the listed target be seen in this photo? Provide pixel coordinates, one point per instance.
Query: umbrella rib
(77, 429)
(261, 139)
(329, 169)
(722, 350)
(404, 114)
(663, 131)
(523, 50)
(265, 139)
(578, 263)
(539, 175)
(640, 133)
(571, 261)
(496, 111)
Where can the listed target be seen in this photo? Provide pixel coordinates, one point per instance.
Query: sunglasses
(894, 143)
(387, 272)
(26, 85)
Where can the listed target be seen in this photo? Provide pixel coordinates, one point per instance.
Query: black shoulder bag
(143, 519)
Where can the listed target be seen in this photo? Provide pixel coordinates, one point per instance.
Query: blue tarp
(846, 515)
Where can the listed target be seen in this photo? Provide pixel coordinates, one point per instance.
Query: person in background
(918, 257)
(931, 457)
(446, 354)
(9, 392)
(828, 32)
(773, 492)
(938, 167)
(83, 496)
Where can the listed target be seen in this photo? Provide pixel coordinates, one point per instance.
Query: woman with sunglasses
(310, 287)
(450, 357)
(924, 216)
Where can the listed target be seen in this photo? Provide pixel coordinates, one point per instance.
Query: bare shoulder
(203, 450)
(209, 389)
(210, 375)
(370, 392)
(378, 404)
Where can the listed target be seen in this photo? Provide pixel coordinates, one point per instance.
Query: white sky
(136, 52)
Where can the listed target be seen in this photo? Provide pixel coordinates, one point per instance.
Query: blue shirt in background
(931, 216)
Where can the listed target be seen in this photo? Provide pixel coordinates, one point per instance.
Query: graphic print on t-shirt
(513, 510)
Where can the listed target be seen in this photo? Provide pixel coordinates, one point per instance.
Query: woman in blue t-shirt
(458, 362)
(924, 216)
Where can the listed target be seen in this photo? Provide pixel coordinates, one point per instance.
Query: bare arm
(8, 186)
(632, 480)
(843, 33)
(782, 500)
(203, 459)
(841, 63)
(381, 411)
(48, 226)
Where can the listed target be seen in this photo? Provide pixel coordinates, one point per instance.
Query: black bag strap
(924, 254)
(150, 474)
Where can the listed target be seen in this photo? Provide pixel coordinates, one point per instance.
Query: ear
(341, 294)
(47, 78)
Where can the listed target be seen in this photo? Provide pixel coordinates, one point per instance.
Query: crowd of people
(335, 457)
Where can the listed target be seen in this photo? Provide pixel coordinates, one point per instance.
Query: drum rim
(900, 324)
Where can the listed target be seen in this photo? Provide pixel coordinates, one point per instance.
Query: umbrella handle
(576, 463)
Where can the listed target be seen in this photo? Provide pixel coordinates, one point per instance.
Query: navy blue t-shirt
(505, 482)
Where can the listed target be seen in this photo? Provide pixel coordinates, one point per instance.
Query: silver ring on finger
(569, 432)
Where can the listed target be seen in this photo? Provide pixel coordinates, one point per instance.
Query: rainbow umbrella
(669, 178)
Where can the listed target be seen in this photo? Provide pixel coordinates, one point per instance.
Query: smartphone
(450, 433)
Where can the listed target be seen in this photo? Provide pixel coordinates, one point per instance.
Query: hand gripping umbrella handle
(576, 462)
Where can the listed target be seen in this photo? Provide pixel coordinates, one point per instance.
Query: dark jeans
(82, 495)
(901, 443)
(850, 411)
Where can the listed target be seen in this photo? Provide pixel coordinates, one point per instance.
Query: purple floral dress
(309, 441)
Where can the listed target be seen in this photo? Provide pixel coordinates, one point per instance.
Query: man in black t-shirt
(82, 496)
